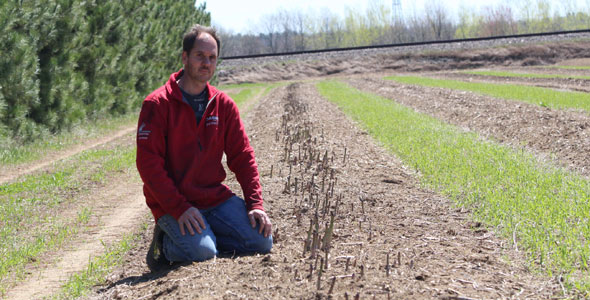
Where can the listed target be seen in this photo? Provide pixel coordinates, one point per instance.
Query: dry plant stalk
(320, 274)
(332, 286)
(387, 265)
(327, 240)
(307, 244)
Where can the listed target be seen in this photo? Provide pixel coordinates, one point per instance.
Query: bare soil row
(391, 238)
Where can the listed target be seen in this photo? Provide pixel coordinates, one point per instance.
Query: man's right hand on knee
(191, 218)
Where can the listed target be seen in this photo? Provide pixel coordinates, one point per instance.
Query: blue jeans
(227, 229)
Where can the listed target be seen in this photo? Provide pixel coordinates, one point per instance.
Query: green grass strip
(13, 153)
(524, 75)
(548, 209)
(534, 95)
(245, 94)
(247, 91)
(242, 86)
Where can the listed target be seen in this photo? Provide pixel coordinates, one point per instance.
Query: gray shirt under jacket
(197, 102)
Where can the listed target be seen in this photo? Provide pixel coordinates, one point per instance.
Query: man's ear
(184, 57)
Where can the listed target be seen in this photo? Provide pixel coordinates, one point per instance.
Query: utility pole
(396, 12)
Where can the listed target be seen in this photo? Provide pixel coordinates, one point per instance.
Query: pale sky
(243, 16)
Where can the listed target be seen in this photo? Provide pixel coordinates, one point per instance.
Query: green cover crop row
(545, 209)
(66, 61)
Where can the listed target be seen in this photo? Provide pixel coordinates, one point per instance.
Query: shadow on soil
(150, 276)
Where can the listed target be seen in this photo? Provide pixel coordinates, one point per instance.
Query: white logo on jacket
(143, 134)
(212, 120)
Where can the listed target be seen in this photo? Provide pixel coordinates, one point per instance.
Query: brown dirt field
(575, 62)
(434, 249)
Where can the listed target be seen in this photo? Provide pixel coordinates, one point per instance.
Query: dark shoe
(155, 258)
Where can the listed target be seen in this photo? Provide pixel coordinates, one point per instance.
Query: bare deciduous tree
(296, 31)
(497, 21)
(270, 30)
(438, 20)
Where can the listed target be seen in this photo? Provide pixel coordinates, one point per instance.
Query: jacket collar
(173, 90)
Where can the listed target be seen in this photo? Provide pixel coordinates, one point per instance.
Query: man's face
(200, 63)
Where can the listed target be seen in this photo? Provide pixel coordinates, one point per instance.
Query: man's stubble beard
(195, 76)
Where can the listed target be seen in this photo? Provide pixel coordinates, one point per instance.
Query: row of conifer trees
(64, 62)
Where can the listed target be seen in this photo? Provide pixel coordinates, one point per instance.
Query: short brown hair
(188, 41)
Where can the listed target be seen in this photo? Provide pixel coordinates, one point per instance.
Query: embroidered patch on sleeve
(143, 134)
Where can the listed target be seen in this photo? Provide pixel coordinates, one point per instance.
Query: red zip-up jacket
(180, 162)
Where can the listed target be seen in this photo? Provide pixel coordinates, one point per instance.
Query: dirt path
(434, 250)
(8, 174)
(117, 210)
(546, 132)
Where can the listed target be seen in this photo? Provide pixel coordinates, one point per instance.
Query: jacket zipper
(204, 119)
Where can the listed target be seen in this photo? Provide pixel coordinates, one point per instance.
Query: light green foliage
(355, 28)
(526, 16)
(535, 95)
(469, 24)
(524, 75)
(546, 208)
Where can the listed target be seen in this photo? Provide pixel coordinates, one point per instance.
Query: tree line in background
(287, 31)
(66, 61)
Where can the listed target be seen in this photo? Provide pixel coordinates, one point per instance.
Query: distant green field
(530, 94)
(524, 75)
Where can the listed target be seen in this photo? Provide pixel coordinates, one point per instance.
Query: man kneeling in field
(184, 128)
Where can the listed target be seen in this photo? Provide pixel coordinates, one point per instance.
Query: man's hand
(191, 218)
(260, 216)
